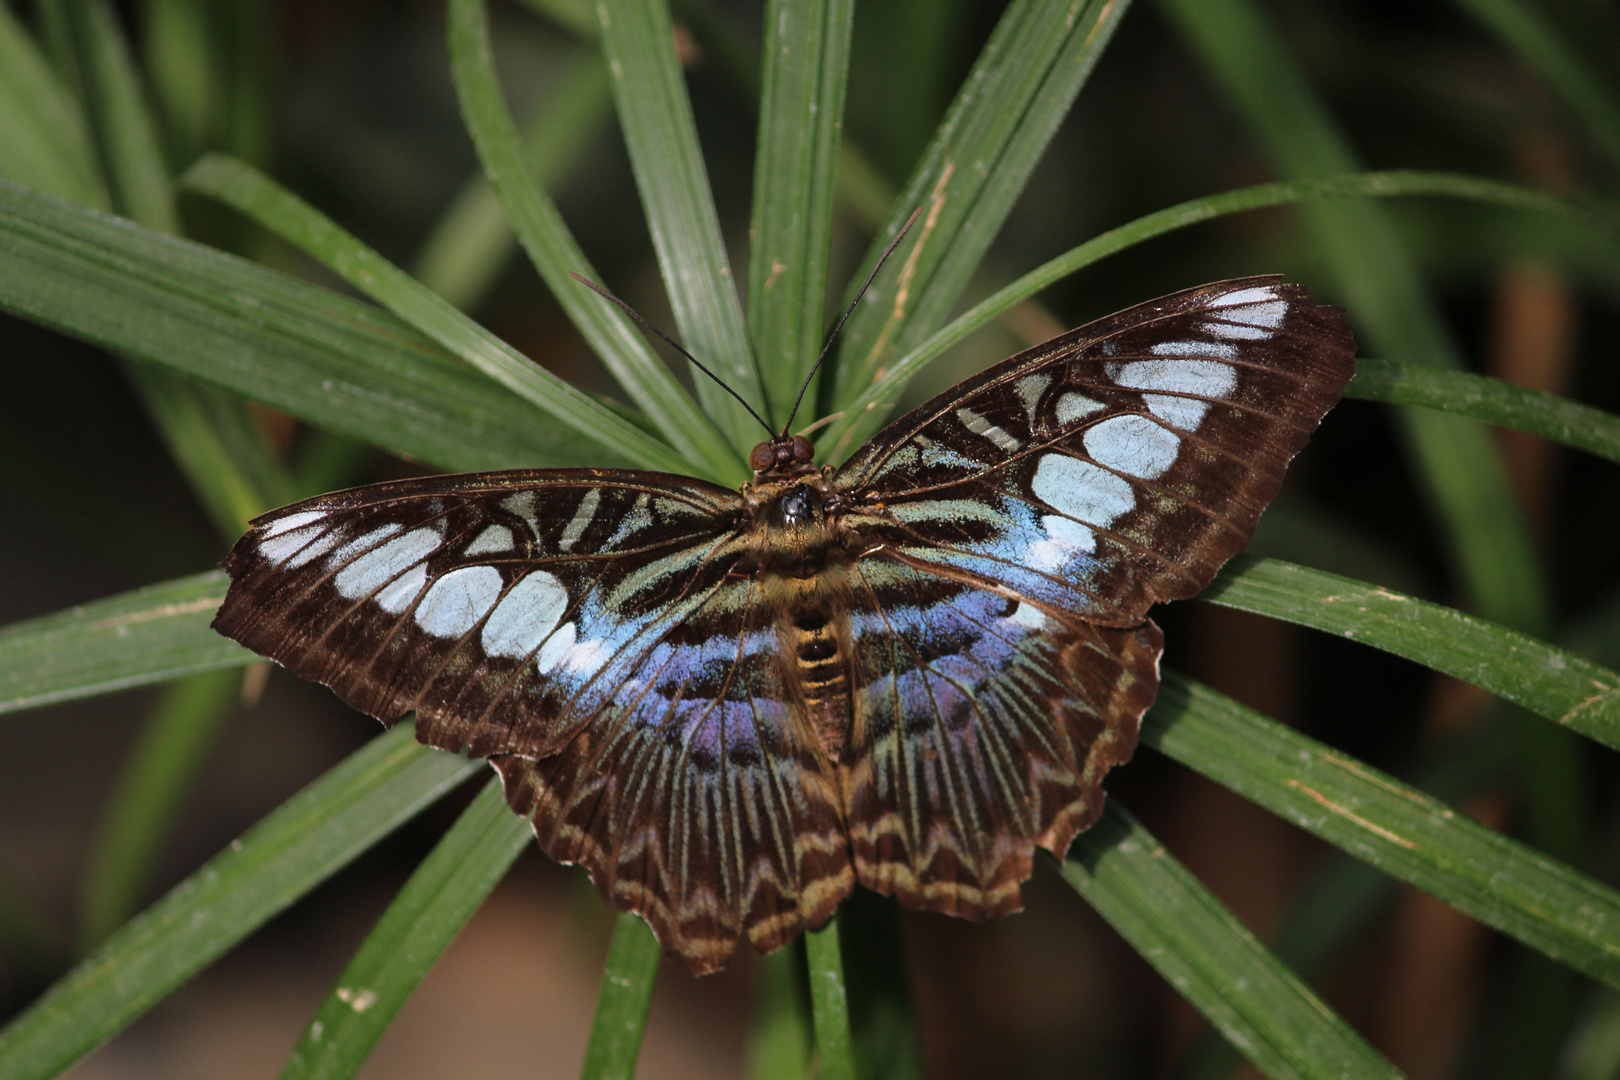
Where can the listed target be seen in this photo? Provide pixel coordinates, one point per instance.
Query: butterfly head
(783, 458)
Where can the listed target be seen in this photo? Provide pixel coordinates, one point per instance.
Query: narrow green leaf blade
(114, 101)
(244, 188)
(1397, 829)
(311, 836)
(829, 1003)
(444, 892)
(554, 252)
(659, 132)
(779, 1038)
(1006, 113)
(621, 1007)
(1492, 400)
(1542, 678)
(869, 409)
(142, 807)
(1211, 958)
(801, 116)
(146, 636)
(342, 365)
(470, 242)
(1455, 460)
(44, 143)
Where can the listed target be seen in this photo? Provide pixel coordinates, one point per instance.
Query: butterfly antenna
(636, 315)
(832, 337)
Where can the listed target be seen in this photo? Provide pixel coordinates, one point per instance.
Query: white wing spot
(294, 549)
(1179, 412)
(1245, 296)
(1213, 349)
(1134, 445)
(382, 564)
(522, 504)
(455, 602)
(493, 540)
(1064, 540)
(581, 520)
(1237, 333)
(293, 521)
(1198, 378)
(400, 593)
(1072, 406)
(1081, 490)
(1028, 615)
(1029, 390)
(555, 648)
(525, 616)
(980, 426)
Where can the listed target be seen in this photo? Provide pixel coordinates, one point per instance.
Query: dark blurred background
(362, 122)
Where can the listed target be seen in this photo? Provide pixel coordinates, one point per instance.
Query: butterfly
(907, 671)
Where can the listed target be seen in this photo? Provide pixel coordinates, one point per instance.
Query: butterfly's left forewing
(1116, 466)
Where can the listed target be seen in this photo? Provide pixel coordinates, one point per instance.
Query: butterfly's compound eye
(762, 457)
(802, 450)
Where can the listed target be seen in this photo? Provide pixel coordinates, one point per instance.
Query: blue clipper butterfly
(907, 671)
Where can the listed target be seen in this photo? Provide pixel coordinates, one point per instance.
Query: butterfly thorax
(800, 560)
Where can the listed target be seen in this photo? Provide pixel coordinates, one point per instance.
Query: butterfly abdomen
(821, 666)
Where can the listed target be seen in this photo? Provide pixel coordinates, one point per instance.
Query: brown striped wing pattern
(908, 672)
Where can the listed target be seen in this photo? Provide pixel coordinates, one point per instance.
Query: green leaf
(444, 892)
(1491, 400)
(1456, 462)
(779, 1041)
(867, 411)
(122, 130)
(882, 1024)
(44, 143)
(1557, 684)
(472, 239)
(1210, 957)
(244, 188)
(208, 434)
(555, 253)
(801, 115)
(1397, 829)
(660, 134)
(141, 810)
(835, 1054)
(1005, 114)
(284, 856)
(179, 51)
(339, 364)
(136, 638)
(621, 1006)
